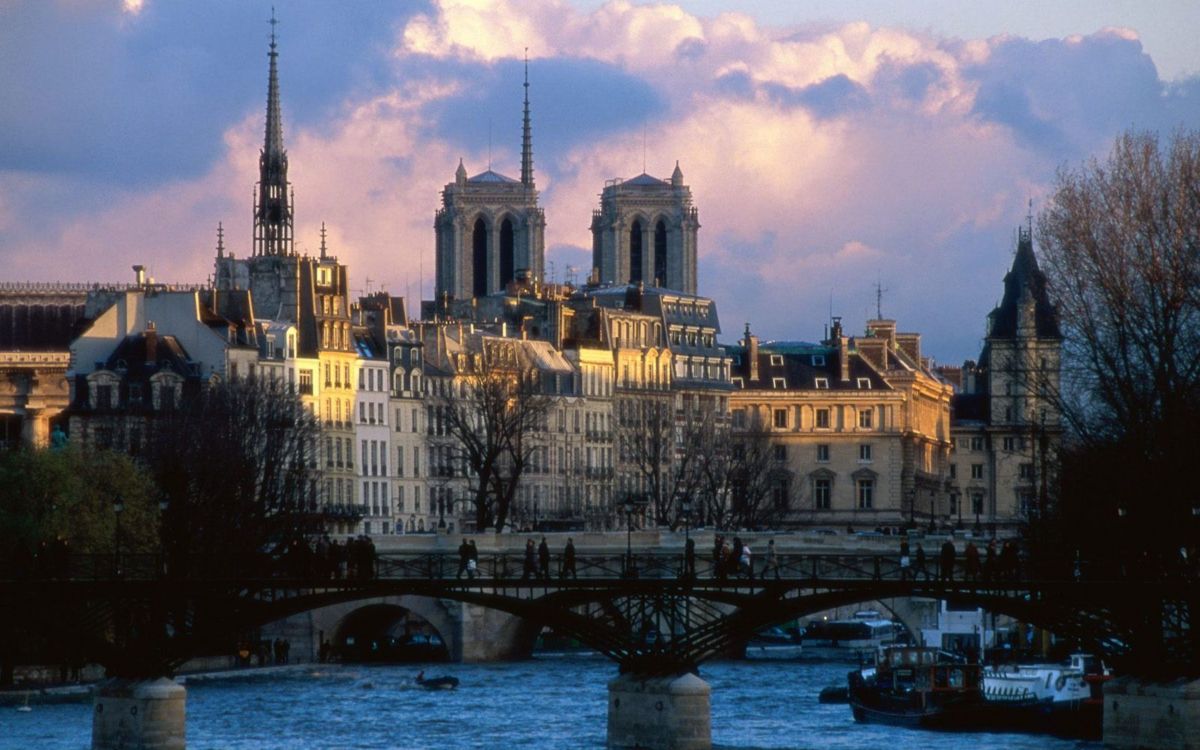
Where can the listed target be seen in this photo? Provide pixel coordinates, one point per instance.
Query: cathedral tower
(272, 203)
(645, 232)
(490, 230)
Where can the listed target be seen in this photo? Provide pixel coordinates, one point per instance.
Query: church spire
(273, 210)
(526, 134)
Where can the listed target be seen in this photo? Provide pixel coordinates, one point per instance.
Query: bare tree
(742, 485)
(666, 453)
(492, 416)
(237, 465)
(1121, 243)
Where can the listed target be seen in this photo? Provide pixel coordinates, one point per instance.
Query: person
(568, 559)
(947, 560)
(464, 557)
(527, 571)
(472, 559)
(689, 558)
(718, 546)
(725, 562)
(972, 564)
(989, 560)
(920, 569)
(905, 572)
(772, 560)
(735, 559)
(744, 560)
(544, 560)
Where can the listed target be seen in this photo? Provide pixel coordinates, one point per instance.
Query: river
(548, 703)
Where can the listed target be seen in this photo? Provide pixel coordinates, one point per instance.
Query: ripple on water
(555, 703)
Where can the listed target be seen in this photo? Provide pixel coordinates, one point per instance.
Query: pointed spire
(272, 208)
(322, 240)
(526, 134)
(677, 175)
(220, 240)
(460, 174)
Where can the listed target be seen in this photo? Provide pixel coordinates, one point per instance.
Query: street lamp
(628, 506)
(932, 502)
(118, 505)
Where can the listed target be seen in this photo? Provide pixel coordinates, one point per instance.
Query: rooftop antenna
(489, 144)
(220, 240)
(1029, 216)
(323, 233)
(879, 290)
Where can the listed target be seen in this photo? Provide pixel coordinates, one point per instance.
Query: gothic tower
(490, 230)
(272, 204)
(645, 232)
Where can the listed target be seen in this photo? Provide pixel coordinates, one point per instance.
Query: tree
(492, 414)
(237, 464)
(666, 453)
(742, 488)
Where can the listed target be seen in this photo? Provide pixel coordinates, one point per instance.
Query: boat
(856, 639)
(773, 644)
(445, 682)
(1064, 699)
(918, 687)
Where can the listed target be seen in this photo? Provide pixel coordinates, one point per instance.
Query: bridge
(656, 618)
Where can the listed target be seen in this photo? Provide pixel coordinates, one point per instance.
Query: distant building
(859, 427)
(1006, 425)
(645, 233)
(490, 230)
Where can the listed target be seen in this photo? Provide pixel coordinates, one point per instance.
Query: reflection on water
(549, 703)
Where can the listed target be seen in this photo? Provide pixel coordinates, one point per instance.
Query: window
(306, 382)
(1025, 471)
(977, 471)
(823, 453)
(739, 382)
(1010, 444)
(821, 383)
(739, 419)
(780, 452)
(779, 494)
(823, 418)
(104, 397)
(977, 443)
(866, 494)
(977, 503)
(864, 384)
(953, 471)
(953, 504)
(818, 360)
(864, 453)
(779, 382)
(822, 490)
(781, 418)
(865, 419)
(777, 360)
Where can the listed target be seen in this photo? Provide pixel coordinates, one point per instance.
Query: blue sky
(830, 146)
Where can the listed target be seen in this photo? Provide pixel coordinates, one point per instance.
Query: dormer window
(821, 383)
(779, 382)
(818, 360)
(739, 382)
(777, 360)
(864, 383)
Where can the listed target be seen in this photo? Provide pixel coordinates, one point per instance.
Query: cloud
(822, 160)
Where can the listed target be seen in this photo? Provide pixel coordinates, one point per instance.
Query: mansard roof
(800, 364)
(143, 354)
(1024, 278)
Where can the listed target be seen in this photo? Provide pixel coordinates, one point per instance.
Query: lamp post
(118, 505)
(628, 506)
(977, 506)
(932, 503)
(912, 507)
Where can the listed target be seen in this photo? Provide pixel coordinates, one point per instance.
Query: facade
(373, 434)
(1007, 428)
(859, 427)
(490, 231)
(645, 233)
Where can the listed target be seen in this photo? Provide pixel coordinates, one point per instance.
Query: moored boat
(773, 644)
(1063, 699)
(916, 686)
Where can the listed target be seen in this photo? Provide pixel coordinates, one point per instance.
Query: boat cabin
(922, 669)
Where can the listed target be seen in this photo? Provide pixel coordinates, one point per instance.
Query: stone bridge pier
(659, 713)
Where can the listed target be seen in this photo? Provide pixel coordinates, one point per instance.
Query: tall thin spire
(526, 134)
(273, 210)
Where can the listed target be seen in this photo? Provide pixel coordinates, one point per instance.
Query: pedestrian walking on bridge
(568, 560)
(947, 571)
(544, 560)
(530, 567)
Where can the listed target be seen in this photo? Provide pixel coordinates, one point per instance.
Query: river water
(548, 703)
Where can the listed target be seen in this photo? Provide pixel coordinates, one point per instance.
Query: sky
(834, 149)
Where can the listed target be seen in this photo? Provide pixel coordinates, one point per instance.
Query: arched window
(507, 253)
(660, 254)
(479, 253)
(635, 252)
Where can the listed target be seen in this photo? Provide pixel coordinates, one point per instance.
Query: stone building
(1006, 425)
(859, 426)
(645, 233)
(490, 229)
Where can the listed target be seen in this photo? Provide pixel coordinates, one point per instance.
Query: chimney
(751, 343)
(910, 344)
(140, 274)
(884, 329)
(843, 347)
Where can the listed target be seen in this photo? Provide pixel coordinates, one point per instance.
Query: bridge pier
(139, 715)
(659, 713)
